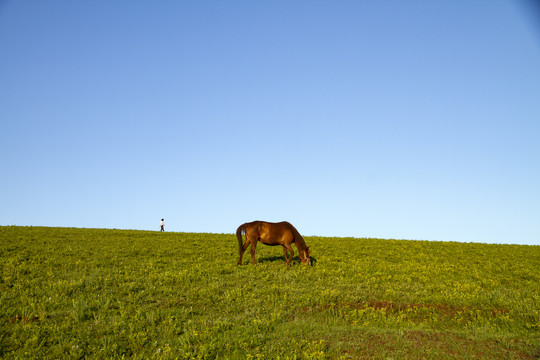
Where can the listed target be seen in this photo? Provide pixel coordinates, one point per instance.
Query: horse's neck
(300, 243)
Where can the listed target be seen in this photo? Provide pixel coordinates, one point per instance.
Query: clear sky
(411, 119)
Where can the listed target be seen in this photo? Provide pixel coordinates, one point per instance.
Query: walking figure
(162, 223)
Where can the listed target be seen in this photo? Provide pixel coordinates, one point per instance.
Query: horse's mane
(298, 239)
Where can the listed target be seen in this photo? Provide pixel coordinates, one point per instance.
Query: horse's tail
(241, 229)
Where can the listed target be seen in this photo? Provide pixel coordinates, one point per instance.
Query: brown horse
(281, 233)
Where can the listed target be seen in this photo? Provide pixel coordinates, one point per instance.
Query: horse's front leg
(285, 252)
(288, 259)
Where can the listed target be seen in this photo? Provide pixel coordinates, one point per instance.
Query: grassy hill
(75, 293)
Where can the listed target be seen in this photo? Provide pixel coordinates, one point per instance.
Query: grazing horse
(281, 233)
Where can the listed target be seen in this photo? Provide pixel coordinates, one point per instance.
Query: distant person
(162, 224)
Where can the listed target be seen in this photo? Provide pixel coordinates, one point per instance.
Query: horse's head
(305, 256)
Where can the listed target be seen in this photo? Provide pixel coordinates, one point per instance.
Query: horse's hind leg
(253, 246)
(244, 248)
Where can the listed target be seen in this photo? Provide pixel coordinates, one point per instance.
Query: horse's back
(280, 232)
(270, 230)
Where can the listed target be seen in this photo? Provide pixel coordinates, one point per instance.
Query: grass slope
(93, 293)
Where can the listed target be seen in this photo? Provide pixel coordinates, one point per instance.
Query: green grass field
(93, 293)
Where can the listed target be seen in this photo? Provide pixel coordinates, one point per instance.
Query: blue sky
(389, 119)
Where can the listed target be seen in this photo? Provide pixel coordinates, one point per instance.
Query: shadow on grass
(276, 258)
